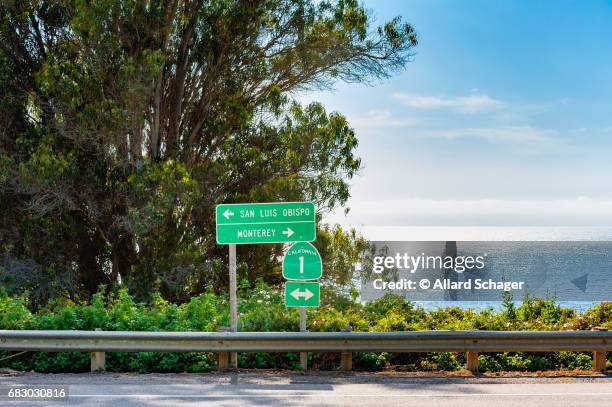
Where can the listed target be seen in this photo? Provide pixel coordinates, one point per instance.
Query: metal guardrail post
(599, 361)
(223, 358)
(98, 360)
(599, 357)
(471, 361)
(346, 358)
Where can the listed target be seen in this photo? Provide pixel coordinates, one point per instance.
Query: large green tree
(123, 122)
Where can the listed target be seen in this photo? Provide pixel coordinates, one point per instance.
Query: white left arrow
(228, 213)
(288, 232)
(306, 294)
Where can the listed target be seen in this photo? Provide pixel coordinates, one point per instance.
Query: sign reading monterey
(278, 222)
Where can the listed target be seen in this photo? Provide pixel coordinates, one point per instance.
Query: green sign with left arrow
(299, 294)
(276, 222)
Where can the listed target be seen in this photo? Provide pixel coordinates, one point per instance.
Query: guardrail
(470, 342)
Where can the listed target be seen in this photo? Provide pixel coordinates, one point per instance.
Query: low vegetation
(261, 309)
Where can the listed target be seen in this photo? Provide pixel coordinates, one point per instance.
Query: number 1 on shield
(301, 264)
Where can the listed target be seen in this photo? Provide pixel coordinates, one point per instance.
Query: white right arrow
(288, 232)
(228, 213)
(306, 294)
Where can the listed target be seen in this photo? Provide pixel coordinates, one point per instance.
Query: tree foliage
(123, 122)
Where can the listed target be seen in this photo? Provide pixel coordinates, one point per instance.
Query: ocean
(571, 265)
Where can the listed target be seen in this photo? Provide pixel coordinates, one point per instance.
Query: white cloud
(514, 134)
(383, 119)
(462, 104)
(488, 212)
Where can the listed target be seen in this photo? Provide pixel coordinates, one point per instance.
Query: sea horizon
(484, 233)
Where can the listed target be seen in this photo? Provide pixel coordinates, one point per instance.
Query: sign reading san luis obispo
(278, 222)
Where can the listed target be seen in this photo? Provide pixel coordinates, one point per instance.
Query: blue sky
(504, 117)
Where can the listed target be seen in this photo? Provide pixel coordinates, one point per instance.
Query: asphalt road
(254, 389)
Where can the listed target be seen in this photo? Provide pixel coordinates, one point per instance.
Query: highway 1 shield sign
(298, 294)
(277, 222)
(302, 262)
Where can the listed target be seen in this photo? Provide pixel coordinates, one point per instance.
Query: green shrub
(262, 308)
(489, 363)
(447, 361)
(14, 313)
(574, 360)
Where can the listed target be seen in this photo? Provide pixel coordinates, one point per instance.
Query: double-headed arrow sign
(265, 222)
(299, 294)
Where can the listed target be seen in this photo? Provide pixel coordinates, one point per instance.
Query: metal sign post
(303, 355)
(233, 300)
(302, 262)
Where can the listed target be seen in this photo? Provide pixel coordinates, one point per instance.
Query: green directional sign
(277, 222)
(299, 294)
(302, 262)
